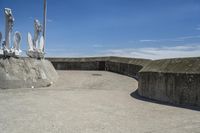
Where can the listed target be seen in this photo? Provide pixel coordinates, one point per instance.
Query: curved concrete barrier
(175, 81)
(125, 66)
(95, 63)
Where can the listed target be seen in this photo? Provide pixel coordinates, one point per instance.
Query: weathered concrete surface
(127, 69)
(126, 66)
(92, 63)
(179, 65)
(122, 65)
(26, 72)
(172, 80)
(90, 102)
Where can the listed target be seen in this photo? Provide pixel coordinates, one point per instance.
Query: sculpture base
(35, 54)
(26, 73)
(11, 53)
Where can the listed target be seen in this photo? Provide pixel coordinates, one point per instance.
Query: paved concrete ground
(90, 102)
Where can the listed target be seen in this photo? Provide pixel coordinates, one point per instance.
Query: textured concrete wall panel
(183, 89)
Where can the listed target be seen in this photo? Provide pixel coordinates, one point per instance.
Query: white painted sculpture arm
(17, 41)
(1, 50)
(0, 37)
(37, 30)
(9, 21)
(41, 46)
(30, 42)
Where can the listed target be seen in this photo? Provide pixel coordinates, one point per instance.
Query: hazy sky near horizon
(132, 28)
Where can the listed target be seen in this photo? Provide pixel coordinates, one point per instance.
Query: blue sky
(132, 28)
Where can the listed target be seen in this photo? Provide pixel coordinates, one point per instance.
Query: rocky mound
(26, 73)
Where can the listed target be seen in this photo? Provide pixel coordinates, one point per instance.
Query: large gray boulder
(26, 73)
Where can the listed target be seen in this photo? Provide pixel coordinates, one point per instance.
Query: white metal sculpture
(35, 45)
(38, 30)
(0, 37)
(44, 22)
(9, 51)
(1, 50)
(17, 41)
(9, 21)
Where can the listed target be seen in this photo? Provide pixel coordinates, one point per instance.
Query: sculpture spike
(1, 50)
(0, 37)
(37, 30)
(30, 42)
(17, 40)
(9, 20)
(44, 22)
(41, 46)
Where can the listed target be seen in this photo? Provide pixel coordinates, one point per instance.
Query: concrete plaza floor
(90, 102)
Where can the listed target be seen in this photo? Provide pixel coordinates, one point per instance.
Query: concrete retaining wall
(78, 63)
(175, 81)
(125, 66)
(90, 65)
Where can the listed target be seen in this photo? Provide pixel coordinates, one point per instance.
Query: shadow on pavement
(137, 96)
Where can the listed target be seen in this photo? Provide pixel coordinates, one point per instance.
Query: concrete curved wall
(95, 63)
(125, 66)
(175, 81)
(172, 80)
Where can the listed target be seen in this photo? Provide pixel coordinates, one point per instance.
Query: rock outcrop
(26, 73)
